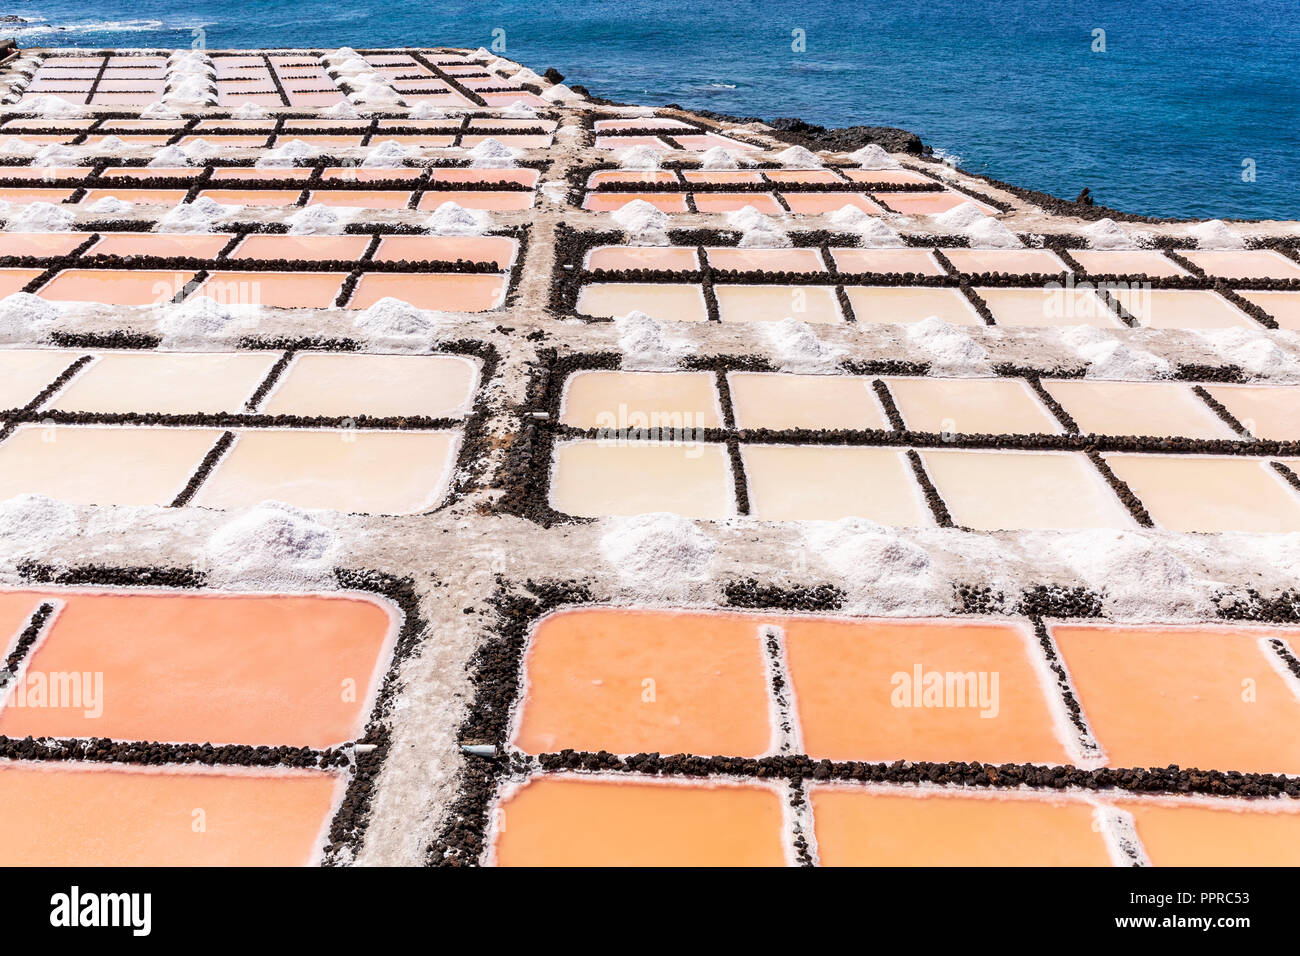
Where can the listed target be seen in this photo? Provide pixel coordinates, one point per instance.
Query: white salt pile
(13, 146)
(426, 111)
(195, 321)
(988, 233)
(891, 574)
(200, 149)
(321, 220)
(1107, 234)
(757, 231)
(559, 93)
(292, 153)
(158, 110)
(450, 219)
(56, 155)
(797, 157)
(873, 232)
(31, 524)
(51, 107)
(26, 318)
(519, 110)
(715, 157)
(657, 552)
(491, 154)
(1136, 575)
(639, 157)
(959, 218)
(949, 348)
(388, 154)
(796, 348)
(249, 111)
(115, 144)
(1109, 358)
(170, 156)
(110, 206)
(642, 222)
(1215, 234)
(645, 345)
(341, 110)
(873, 156)
(202, 215)
(273, 546)
(526, 75)
(41, 217)
(391, 318)
(1254, 352)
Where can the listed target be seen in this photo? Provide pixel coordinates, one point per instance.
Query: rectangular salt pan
(672, 402)
(84, 814)
(323, 383)
(594, 479)
(350, 470)
(1004, 490)
(102, 465)
(827, 483)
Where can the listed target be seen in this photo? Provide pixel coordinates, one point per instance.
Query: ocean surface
(1191, 109)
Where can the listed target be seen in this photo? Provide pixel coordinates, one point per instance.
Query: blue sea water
(1163, 122)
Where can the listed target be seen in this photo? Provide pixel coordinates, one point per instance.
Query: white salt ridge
(115, 144)
(171, 156)
(1215, 234)
(31, 524)
(273, 546)
(891, 573)
(959, 218)
(492, 154)
(198, 216)
(796, 348)
(1107, 357)
(645, 345)
(642, 222)
(873, 156)
(1107, 234)
(56, 155)
(519, 110)
(640, 157)
(657, 552)
(195, 321)
(25, 317)
(798, 157)
(41, 217)
(110, 206)
(948, 347)
(715, 157)
(1253, 352)
(388, 154)
(988, 233)
(392, 318)
(451, 219)
(321, 220)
